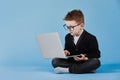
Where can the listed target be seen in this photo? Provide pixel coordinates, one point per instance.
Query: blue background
(21, 20)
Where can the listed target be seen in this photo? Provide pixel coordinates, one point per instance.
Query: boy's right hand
(66, 52)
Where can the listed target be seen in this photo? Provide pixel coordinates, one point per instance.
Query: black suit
(87, 44)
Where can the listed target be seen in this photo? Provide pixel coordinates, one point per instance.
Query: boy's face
(74, 28)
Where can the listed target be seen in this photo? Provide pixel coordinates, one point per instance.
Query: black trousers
(77, 67)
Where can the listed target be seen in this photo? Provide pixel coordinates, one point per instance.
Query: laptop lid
(50, 45)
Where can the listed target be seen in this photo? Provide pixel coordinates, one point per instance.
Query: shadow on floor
(105, 68)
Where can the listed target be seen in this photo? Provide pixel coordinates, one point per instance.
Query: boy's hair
(75, 15)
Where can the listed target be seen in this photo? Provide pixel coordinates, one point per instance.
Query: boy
(78, 42)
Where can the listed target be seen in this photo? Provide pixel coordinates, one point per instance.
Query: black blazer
(87, 44)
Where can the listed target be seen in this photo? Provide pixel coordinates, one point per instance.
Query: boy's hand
(66, 52)
(83, 58)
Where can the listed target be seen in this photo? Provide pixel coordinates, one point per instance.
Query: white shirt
(77, 37)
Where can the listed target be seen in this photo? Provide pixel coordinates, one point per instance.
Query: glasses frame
(70, 27)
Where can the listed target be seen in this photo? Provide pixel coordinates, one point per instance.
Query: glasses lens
(71, 29)
(68, 27)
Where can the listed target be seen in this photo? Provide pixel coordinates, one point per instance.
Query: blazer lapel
(72, 41)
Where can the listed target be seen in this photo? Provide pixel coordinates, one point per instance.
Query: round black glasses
(69, 27)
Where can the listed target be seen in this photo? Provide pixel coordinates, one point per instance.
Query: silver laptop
(50, 45)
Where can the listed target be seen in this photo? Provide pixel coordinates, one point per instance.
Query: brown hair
(75, 15)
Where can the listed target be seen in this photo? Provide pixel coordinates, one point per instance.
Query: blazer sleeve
(94, 51)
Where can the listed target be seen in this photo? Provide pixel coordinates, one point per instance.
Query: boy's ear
(82, 24)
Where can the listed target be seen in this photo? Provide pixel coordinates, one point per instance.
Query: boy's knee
(54, 62)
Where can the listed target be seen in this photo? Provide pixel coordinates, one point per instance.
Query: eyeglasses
(69, 27)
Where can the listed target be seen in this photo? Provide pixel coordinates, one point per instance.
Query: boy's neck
(79, 33)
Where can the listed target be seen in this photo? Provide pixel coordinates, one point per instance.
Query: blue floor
(45, 72)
